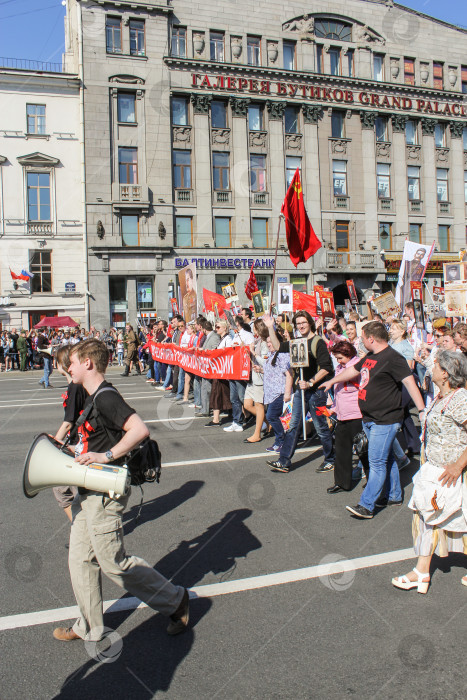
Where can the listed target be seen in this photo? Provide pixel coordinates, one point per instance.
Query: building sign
(70, 287)
(325, 94)
(226, 263)
(435, 265)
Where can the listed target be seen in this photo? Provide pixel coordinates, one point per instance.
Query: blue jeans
(237, 396)
(383, 479)
(168, 377)
(273, 414)
(47, 371)
(159, 371)
(181, 383)
(313, 399)
(197, 390)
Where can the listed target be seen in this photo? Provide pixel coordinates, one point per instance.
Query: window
(41, 268)
(442, 184)
(409, 71)
(182, 169)
(129, 225)
(218, 114)
(137, 38)
(385, 236)
(440, 135)
(411, 133)
(255, 117)
(128, 166)
(216, 43)
(464, 79)
(38, 186)
(144, 292)
(381, 129)
(126, 107)
(291, 165)
(413, 173)
(438, 80)
(178, 46)
(220, 171)
(184, 231)
(264, 285)
(415, 233)
(223, 281)
(117, 290)
(378, 66)
(319, 59)
(113, 34)
(335, 58)
(253, 46)
(35, 116)
(383, 177)
(222, 232)
(339, 177)
(350, 63)
(258, 173)
(291, 120)
(179, 111)
(342, 235)
(443, 238)
(330, 29)
(259, 233)
(337, 124)
(288, 50)
(299, 283)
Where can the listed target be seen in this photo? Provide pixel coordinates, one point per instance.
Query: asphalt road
(271, 617)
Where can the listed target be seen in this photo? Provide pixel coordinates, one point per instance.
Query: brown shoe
(65, 634)
(179, 619)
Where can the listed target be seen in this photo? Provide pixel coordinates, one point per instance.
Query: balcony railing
(39, 227)
(130, 194)
(384, 204)
(353, 259)
(341, 202)
(222, 197)
(259, 198)
(26, 64)
(444, 208)
(415, 206)
(184, 196)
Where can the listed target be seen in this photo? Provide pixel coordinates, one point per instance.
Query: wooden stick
(281, 216)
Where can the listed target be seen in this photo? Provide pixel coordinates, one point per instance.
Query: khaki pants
(96, 544)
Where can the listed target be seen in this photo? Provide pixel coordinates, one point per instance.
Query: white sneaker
(234, 428)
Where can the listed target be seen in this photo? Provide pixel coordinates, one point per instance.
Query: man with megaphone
(111, 429)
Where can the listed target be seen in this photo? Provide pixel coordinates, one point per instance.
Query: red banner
(304, 302)
(227, 363)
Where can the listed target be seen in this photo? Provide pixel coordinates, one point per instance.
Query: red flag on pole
(14, 276)
(211, 298)
(302, 241)
(304, 302)
(252, 285)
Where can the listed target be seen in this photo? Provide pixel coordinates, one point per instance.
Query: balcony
(353, 260)
(184, 196)
(220, 197)
(341, 202)
(384, 204)
(444, 208)
(259, 199)
(130, 195)
(415, 206)
(40, 227)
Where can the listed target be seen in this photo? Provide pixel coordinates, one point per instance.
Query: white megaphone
(46, 466)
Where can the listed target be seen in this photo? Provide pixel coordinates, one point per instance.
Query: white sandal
(464, 580)
(421, 584)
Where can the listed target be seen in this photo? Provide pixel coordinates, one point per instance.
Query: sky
(33, 29)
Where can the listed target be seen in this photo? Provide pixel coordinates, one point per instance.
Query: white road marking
(28, 402)
(234, 458)
(308, 573)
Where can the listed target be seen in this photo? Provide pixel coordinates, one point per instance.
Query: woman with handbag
(349, 417)
(439, 497)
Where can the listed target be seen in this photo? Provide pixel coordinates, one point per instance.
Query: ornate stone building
(197, 115)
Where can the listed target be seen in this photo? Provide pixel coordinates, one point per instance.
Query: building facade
(41, 196)
(197, 115)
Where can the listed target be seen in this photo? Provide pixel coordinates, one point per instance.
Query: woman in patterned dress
(445, 443)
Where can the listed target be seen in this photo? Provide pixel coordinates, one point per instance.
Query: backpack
(143, 461)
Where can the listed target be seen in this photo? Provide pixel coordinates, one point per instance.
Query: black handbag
(360, 444)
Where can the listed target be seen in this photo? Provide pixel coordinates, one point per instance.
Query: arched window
(332, 29)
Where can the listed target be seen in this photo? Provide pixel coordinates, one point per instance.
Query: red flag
(304, 302)
(211, 298)
(252, 285)
(301, 239)
(18, 277)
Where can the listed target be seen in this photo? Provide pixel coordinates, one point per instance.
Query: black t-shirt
(73, 402)
(323, 360)
(101, 433)
(380, 391)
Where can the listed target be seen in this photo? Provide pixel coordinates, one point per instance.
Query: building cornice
(145, 5)
(99, 251)
(16, 76)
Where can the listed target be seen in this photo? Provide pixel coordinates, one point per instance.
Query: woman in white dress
(439, 498)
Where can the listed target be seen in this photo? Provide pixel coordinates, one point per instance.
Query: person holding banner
(220, 392)
(320, 366)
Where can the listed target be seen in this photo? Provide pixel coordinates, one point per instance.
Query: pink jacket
(346, 395)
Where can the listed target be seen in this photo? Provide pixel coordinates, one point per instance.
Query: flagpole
(303, 406)
(281, 216)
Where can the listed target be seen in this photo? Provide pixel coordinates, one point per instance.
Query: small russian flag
(26, 273)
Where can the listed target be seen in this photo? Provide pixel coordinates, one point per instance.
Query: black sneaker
(180, 618)
(211, 424)
(360, 512)
(325, 467)
(383, 502)
(276, 466)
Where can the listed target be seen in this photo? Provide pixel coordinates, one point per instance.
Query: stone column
(428, 181)
(370, 194)
(399, 189)
(201, 168)
(276, 159)
(239, 168)
(456, 183)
